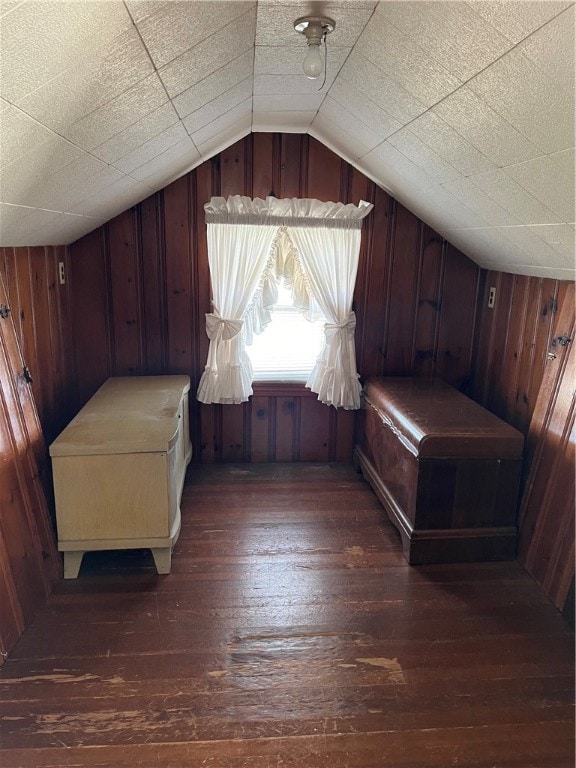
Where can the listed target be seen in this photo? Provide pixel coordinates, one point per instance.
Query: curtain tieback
(348, 326)
(227, 328)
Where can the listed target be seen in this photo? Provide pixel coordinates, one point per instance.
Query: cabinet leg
(72, 562)
(162, 558)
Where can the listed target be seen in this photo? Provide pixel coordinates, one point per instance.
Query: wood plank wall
(525, 376)
(39, 309)
(29, 562)
(137, 290)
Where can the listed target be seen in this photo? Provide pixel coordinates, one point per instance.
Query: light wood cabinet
(119, 469)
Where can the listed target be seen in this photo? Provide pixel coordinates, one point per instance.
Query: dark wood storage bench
(446, 470)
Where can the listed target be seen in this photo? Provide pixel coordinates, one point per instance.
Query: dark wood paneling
(91, 315)
(125, 290)
(314, 430)
(236, 169)
(429, 303)
(263, 166)
(515, 380)
(460, 280)
(547, 511)
(324, 173)
(235, 432)
(178, 285)
(39, 311)
(262, 423)
(293, 156)
(29, 562)
(152, 270)
(287, 419)
(512, 342)
(370, 297)
(402, 294)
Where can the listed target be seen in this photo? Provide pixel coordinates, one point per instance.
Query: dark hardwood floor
(290, 633)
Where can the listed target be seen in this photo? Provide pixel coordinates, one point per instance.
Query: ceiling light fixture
(315, 29)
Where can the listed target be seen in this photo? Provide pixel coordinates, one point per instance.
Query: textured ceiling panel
(410, 145)
(550, 179)
(298, 102)
(333, 112)
(449, 144)
(136, 134)
(336, 138)
(65, 188)
(209, 55)
(451, 204)
(559, 236)
(451, 33)
(51, 157)
(296, 121)
(513, 198)
(232, 123)
(517, 20)
(56, 186)
(20, 133)
(41, 40)
(289, 85)
(412, 67)
(377, 86)
(38, 233)
(100, 202)
(155, 146)
(214, 109)
(357, 103)
(463, 110)
(215, 84)
(167, 166)
(552, 49)
(169, 30)
(540, 108)
(90, 83)
(480, 202)
(387, 162)
(14, 217)
(118, 114)
(485, 128)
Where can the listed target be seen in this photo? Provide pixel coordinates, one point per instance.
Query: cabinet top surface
(433, 419)
(137, 414)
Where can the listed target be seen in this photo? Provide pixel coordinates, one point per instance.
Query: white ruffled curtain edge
(289, 211)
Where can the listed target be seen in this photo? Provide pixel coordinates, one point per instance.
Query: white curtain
(238, 256)
(315, 247)
(329, 259)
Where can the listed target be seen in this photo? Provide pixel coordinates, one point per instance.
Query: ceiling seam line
(156, 71)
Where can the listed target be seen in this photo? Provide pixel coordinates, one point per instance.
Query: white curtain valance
(286, 212)
(314, 247)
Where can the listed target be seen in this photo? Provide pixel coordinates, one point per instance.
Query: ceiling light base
(314, 28)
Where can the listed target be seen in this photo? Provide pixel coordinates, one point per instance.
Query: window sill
(282, 389)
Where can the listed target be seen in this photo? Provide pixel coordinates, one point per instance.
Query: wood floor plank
(291, 633)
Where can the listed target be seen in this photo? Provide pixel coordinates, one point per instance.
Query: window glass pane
(288, 348)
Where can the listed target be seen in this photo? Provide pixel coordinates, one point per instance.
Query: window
(287, 349)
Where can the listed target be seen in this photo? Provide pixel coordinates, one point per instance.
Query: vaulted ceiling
(464, 111)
